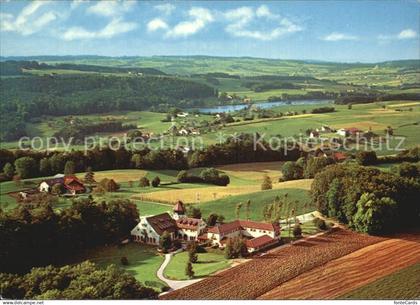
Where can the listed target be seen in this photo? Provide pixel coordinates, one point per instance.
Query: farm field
(214, 192)
(363, 116)
(262, 274)
(143, 261)
(354, 270)
(297, 198)
(403, 284)
(208, 263)
(401, 115)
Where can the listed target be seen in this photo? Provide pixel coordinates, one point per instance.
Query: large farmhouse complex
(257, 235)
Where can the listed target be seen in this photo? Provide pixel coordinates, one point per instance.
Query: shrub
(182, 176)
(297, 231)
(57, 189)
(124, 261)
(266, 184)
(291, 171)
(366, 157)
(320, 223)
(156, 182)
(144, 182)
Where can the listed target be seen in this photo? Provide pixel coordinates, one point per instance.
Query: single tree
(297, 230)
(9, 170)
(17, 179)
(192, 252)
(156, 182)
(45, 166)
(69, 168)
(248, 209)
(267, 183)
(189, 270)
(238, 210)
(144, 182)
(89, 176)
(193, 212)
(165, 241)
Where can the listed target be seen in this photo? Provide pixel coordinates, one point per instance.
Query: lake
(264, 105)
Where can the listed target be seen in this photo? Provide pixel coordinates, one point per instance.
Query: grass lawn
(207, 264)
(227, 206)
(152, 208)
(403, 284)
(143, 261)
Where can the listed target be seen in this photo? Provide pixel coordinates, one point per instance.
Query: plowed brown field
(351, 271)
(262, 274)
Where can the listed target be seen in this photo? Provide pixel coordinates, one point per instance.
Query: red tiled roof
(242, 224)
(339, 156)
(353, 130)
(72, 183)
(188, 223)
(161, 223)
(259, 242)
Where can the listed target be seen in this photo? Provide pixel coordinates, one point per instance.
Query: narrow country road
(174, 285)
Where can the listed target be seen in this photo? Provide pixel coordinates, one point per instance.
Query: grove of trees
(38, 235)
(367, 199)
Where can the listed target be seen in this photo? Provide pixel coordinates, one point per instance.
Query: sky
(344, 31)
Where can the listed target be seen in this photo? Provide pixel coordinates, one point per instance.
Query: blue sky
(366, 31)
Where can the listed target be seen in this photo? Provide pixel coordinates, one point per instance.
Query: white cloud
(110, 8)
(407, 34)
(403, 35)
(76, 3)
(27, 21)
(240, 20)
(335, 36)
(115, 27)
(165, 8)
(156, 24)
(199, 18)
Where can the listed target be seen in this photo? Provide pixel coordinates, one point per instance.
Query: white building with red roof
(258, 235)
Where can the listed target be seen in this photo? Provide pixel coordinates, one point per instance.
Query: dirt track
(349, 272)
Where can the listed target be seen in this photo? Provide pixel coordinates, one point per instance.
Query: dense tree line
(242, 150)
(37, 235)
(83, 281)
(364, 98)
(367, 199)
(304, 167)
(260, 87)
(29, 164)
(27, 97)
(13, 67)
(323, 110)
(208, 175)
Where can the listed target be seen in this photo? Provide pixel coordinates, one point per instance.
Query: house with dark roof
(151, 228)
(258, 235)
(71, 184)
(179, 226)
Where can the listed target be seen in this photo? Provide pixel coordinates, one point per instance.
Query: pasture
(207, 264)
(143, 261)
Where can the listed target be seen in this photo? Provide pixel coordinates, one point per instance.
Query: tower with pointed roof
(179, 210)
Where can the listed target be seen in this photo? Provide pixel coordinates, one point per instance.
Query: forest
(25, 98)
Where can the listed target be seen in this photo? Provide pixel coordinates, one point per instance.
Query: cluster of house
(183, 131)
(344, 132)
(257, 235)
(69, 184)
